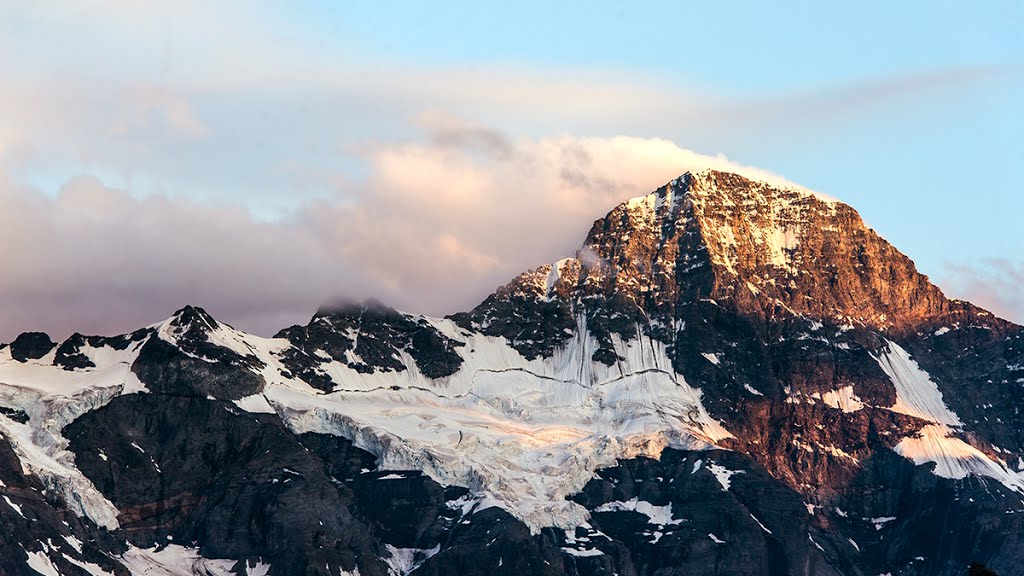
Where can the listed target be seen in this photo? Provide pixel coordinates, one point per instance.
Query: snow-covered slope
(918, 396)
(50, 398)
(524, 434)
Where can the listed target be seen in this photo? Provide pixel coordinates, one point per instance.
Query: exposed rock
(367, 337)
(191, 470)
(167, 369)
(16, 414)
(31, 346)
(977, 569)
(534, 312)
(35, 524)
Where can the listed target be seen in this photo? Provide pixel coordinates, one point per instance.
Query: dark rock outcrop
(31, 346)
(367, 337)
(534, 312)
(192, 470)
(713, 513)
(167, 369)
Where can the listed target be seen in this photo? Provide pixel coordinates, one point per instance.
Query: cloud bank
(234, 160)
(435, 226)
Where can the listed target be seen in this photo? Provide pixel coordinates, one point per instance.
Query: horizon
(263, 162)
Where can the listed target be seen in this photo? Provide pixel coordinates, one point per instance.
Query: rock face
(245, 487)
(728, 378)
(37, 530)
(31, 346)
(367, 338)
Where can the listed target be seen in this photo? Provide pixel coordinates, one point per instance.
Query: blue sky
(338, 127)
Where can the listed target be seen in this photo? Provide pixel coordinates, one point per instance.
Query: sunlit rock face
(727, 378)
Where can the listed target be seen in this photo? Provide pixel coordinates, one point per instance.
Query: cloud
(153, 107)
(241, 162)
(438, 223)
(210, 99)
(98, 259)
(993, 283)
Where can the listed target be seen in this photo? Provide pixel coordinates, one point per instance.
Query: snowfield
(521, 434)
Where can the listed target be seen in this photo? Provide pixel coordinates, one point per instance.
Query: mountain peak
(31, 346)
(727, 374)
(370, 306)
(708, 183)
(193, 317)
(764, 247)
(758, 249)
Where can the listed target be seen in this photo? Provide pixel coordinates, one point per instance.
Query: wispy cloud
(438, 223)
(152, 107)
(209, 99)
(994, 284)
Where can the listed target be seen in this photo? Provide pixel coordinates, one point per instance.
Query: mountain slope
(727, 378)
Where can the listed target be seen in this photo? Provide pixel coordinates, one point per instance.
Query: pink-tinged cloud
(994, 284)
(438, 224)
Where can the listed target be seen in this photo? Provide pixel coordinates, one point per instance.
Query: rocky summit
(728, 378)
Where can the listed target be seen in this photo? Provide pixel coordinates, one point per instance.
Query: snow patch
(582, 553)
(42, 564)
(257, 404)
(661, 515)
(842, 399)
(880, 523)
(404, 560)
(723, 474)
(257, 568)
(760, 524)
(74, 542)
(174, 560)
(916, 394)
(955, 458)
(711, 357)
(13, 505)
